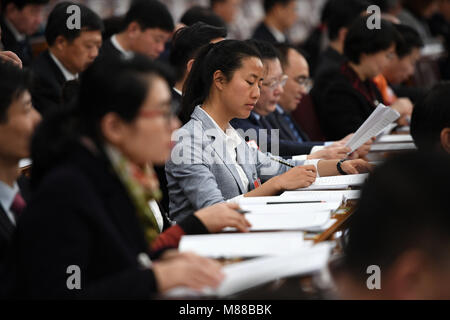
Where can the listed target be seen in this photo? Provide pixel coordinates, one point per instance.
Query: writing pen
(283, 162)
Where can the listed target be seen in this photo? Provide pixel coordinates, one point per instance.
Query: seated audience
(280, 16)
(70, 52)
(430, 121)
(92, 185)
(401, 229)
(226, 9)
(211, 163)
(415, 14)
(18, 120)
(19, 20)
(400, 69)
(148, 27)
(345, 97)
(202, 14)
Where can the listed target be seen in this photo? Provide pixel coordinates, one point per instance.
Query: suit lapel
(6, 226)
(218, 144)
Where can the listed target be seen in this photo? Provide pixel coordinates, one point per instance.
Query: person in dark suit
(185, 44)
(91, 190)
(398, 245)
(342, 13)
(261, 118)
(18, 120)
(280, 16)
(19, 20)
(70, 53)
(345, 97)
(148, 27)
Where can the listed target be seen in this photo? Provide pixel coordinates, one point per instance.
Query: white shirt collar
(19, 36)
(177, 91)
(116, 44)
(67, 74)
(7, 195)
(279, 36)
(257, 116)
(280, 109)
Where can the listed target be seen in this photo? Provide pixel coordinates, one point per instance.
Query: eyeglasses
(276, 82)
(305, 82)
(167, 114)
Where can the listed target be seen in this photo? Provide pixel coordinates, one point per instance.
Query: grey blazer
(201, 173)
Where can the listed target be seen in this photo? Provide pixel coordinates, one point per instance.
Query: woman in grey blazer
(210, 162)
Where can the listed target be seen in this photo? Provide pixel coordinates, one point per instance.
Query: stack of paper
(375, 123)
(249, 274)
(289, 207)
(340, 182)
(392, 147)
(395, 138)
(331, 195)
(243, 245)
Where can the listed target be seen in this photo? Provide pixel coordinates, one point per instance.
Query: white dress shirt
(116, 44)
(7, 195)
(69, 76)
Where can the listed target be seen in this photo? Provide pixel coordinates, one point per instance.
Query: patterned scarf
(142, 185)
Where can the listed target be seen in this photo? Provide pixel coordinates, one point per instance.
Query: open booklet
(243, 245)
(252, 273)
(380, 118)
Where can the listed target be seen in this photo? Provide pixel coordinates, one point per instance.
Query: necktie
(292, 127)
(18, 205)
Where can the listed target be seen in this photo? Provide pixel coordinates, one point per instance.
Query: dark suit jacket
(81, 215)
(341, 108)
(329, 59)
(285, 148)
(263, 33)
(23, 51)
(48, 84)
(109, 51)
(276, 119)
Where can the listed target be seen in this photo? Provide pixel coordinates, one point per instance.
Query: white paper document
(395, 138)
(289, 207)
(252, 273)
(243, 245)
(380, 118)
(329, 195)
(25, 163)
(351, 180)
(288, 221)
(392, 147)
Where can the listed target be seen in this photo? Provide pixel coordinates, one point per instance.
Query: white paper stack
(382, 147)
(338, 182)
(243, 245)
(249, 274)
(375, 123)
(395, 138)
(330, 195)
(290, 207)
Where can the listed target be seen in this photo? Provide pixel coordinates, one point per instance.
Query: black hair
(360, 39)
(265, 48)
(13, 83)
(57, 22)
(113, 25)
(110, 84)
(226, 56)
(403, 205)
(430, 116)
(408, 41)
(269, 4)
(416, 7)
(150, 14)
(283, 52)
(201, 14)
(341, 14)
(187, 41)
(385, 5)
(20, 4)
(213, 2)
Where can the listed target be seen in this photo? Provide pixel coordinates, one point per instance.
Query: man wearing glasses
(259, 127)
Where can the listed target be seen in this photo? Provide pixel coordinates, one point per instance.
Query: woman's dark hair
(408, 41)
(361, 39)
(431, 116)
(403, 206)
(226, 56)
(108, 85)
